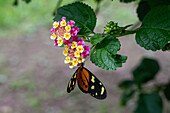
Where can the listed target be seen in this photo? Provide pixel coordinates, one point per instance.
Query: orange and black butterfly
(87, 83)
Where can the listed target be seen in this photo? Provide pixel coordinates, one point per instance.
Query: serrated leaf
(96, 38)
(126, 96)
(82, 14)
(126, 84)
(167, 91)
(127, 1)
(110, 44)
(104, 54)
(146, 71)
(146, 5)
(154, 33)
(149, 103)
(102, 58)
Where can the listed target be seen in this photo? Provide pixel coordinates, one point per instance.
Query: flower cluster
(65, 35)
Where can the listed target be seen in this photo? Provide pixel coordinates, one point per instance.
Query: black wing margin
(96, 87)
(72, 82)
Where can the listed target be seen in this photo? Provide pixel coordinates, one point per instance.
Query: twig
(57, 6)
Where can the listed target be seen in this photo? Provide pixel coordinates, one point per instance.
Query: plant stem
(57, 6)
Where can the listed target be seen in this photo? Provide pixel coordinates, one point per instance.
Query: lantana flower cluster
(64, 34)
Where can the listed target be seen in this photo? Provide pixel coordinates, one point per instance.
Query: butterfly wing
(72, 82)
(83, 80)
(88, 83)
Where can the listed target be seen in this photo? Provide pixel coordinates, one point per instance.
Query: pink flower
(67, 42)
(86, 48)
(76, 29)
(85, 54)
(52, 30)
(81, 43)
(73, 32)
(55, 43)
(71, 23)
(63, 18)
(75, 38)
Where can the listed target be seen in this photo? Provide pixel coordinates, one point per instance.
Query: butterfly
(87, 83)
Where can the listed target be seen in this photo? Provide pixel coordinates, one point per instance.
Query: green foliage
(167, 91)
(143, 9)
(96, 38)
(153, 35)
(104, 54)
(146, 71)
(33, 102)
(149, 103)
(81, 13)
(126, 84)
(146, 5)
(126, 96)
(27, 1)
(127, 1)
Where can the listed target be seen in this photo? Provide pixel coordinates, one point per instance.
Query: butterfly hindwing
(89, 83)
(72, 82)
(96, 88)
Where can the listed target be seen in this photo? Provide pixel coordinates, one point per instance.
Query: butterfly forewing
(72, 82)
(83, 80)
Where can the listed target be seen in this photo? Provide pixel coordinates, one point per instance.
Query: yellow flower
(67, 36)
(63, 23)
(65, 52)
(71, 64)
(66, 47)
(59, 41)
(80, 59)
(68, 28)
(67, 60)
(53, 36)
(74, 45)
(75, 62)
(80, 48)
(55, 24)
(77, 54)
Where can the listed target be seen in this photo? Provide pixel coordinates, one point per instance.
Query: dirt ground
(34, 78)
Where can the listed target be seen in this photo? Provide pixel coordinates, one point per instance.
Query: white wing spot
(92, 87)
(69, 83)
(102, 90)
(75, 75)
(92, 79)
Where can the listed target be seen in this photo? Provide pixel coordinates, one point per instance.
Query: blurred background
(33, 76)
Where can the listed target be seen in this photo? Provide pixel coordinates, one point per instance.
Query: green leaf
(126, 84)
(167, 91)
(143, 9)
(82, 14)
(146, 5)
(146, 71)
(149, 103)
(96, 38)
(126, 96)
(27, 1)
(104, 54)
(127, 1)
(154, 33)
